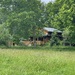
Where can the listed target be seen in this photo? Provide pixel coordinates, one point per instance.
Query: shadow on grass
(21, 47)
(53, 48)
(63, 48)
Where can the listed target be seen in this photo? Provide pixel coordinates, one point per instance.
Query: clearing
(36, 62)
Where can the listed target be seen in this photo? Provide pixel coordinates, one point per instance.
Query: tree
(52, 9)
(65, 19)
(5, 36)
(25, 18)
(54, 39)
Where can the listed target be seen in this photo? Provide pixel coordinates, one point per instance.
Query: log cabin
(47, 34)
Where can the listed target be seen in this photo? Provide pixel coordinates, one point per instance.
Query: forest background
(22, 18)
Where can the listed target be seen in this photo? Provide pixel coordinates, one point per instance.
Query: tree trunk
(34, 36)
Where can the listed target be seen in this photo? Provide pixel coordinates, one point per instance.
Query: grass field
(37, 62)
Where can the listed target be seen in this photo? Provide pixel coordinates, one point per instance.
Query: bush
(54, 40)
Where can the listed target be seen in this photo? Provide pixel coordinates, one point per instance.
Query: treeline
(23, 18)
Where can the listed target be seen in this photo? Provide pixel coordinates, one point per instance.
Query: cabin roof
(51, 29)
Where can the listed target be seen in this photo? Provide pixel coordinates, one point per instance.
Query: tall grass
(37, 62)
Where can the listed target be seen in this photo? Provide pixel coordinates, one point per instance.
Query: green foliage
(24, 17)
(64, 17)
(4, 34)
(54, 39)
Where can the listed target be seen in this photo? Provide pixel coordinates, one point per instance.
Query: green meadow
(44, 61)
